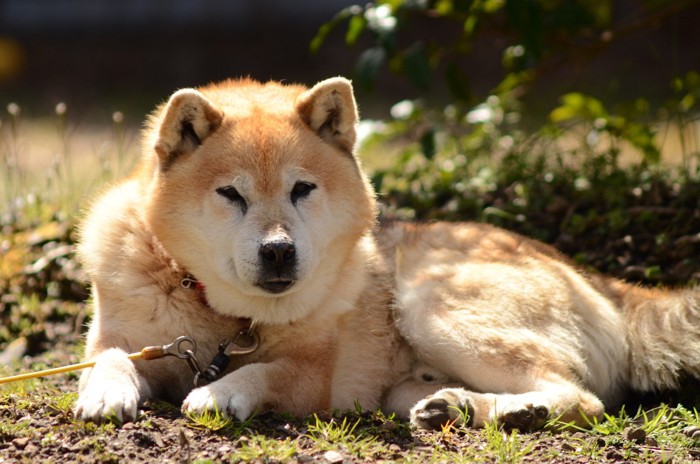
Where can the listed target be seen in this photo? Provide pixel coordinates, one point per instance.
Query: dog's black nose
(278, 254)
(278, 262)
(278, 259)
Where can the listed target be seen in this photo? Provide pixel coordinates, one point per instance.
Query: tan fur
(254, 190)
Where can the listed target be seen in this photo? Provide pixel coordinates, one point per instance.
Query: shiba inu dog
(250, 214)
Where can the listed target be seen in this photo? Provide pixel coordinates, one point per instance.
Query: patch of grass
(209, 420)
(17, 428)
(505, 446)
(261, 448)
(655, 433)
(61, 403)
(344, 435)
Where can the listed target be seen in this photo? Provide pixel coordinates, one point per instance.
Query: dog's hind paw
(449, 406)
(525, 418)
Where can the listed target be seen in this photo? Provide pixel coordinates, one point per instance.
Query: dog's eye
(231, 194)
(301, 190)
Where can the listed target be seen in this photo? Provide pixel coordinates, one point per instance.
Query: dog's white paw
(100, 400)
(111, 389)
(218, 397)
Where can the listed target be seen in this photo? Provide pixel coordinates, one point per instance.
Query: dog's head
(256, 191)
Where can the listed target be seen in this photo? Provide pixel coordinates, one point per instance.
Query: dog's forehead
(241, 98)
(265, 152)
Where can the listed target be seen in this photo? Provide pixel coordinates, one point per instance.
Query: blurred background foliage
(607, 175)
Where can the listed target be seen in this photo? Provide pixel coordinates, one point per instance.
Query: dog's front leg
(281, 385)
(113, 388)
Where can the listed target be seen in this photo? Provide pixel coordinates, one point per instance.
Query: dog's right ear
(187, 120)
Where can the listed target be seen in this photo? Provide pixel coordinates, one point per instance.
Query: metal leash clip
(245, 342)
(184, 348)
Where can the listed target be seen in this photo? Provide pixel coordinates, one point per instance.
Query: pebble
(692, 431)
(388, 426)
(635, 434)
(21, 442)
(333, 457)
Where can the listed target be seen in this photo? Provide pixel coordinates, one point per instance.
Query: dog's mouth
(277, 285)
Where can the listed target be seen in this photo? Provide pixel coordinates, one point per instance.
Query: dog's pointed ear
(329, 109)
(186, 121)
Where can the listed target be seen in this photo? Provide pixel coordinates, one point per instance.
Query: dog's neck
(190, 282)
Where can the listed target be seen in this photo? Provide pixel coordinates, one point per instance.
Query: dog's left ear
(187, 120)
(329, 109)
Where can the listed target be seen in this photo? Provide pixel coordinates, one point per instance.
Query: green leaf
(641, 136)
(427, 144)
(444, 7)
(686, 103)
(492, 6)
(470, 24)
(356, 25)
(326, 28)
(576, 105)
(652, 273)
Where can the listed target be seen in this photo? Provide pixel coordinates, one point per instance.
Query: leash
(246, 341)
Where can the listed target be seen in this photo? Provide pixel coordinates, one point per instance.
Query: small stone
(128, 426)
(568, 447)
(635, 434)
(21, 442)
(388, 426)
(333, 457)
(31, 449)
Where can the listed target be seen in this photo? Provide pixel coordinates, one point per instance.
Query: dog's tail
(663, 334)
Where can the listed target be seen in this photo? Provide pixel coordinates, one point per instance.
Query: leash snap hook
(185, 347)
(246, 341)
